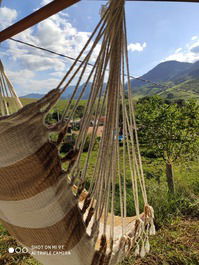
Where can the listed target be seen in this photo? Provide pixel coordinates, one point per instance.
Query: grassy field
(188, 89)
(59, 106)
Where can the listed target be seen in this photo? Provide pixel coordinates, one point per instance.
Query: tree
(170, 130)
(53, 117)
(80, 111)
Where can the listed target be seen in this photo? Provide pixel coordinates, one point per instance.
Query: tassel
(137, 250)
(142, 252)
(152, 212)
(142, 228)
(147, 246)
(152, 230)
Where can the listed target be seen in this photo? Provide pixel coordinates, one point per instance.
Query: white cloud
(57, 34)
(188, 53)
(183, 57)
(137, 47)
(178, 50)
(194, 38)
(28, 82)
(7, 16)
(22, 73)
(45, 2)
(39, 63)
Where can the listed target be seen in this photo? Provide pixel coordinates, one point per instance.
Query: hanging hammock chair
(42, 204)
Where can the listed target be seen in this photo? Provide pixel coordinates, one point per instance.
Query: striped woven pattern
(37, 205)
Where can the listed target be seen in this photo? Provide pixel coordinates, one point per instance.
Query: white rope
(110, 100)
(9, 101)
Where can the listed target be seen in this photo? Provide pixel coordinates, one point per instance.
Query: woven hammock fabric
(43, 205)
(34, 191)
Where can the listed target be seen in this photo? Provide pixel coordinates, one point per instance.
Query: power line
(23, 52)
(47, 50)
(73, 59)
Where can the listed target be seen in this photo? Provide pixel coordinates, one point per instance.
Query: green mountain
(174, 80)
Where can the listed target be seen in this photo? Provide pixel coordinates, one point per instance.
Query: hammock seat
(46, 207)
(37, 204)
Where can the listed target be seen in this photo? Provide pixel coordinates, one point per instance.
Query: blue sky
(156, 32)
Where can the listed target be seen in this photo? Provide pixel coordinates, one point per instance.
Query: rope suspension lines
(53, 199)
(9, 101)
(111, 33)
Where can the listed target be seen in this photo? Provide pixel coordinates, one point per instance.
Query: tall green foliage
(171, 131)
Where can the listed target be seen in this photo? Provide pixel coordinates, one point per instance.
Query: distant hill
(67, 94)
(163, 72)
(191, 73)
(177, 79)
(33, 95)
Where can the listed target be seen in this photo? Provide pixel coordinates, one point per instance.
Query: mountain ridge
(67, 94)
(178, 78)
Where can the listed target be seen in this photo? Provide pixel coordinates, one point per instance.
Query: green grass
(60, 104)
(26, 101)
(184, 202)
(185, 90)
(175, 244)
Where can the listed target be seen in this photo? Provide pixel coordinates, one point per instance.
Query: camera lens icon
(18, 250)
(11, 250)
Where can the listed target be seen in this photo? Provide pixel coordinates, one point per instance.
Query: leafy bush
(87, 143)
(68, 144)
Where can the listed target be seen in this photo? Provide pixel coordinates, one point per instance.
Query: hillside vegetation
(177, 80)
(172, 79)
